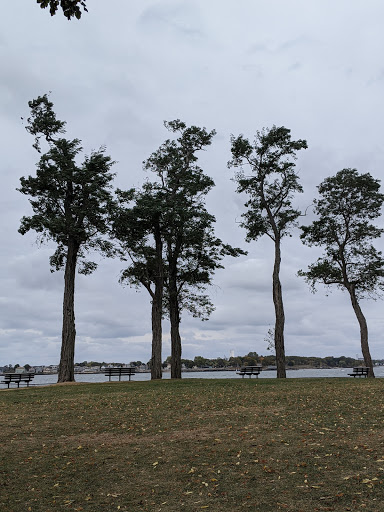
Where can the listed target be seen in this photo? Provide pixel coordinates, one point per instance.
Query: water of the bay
(270, 374)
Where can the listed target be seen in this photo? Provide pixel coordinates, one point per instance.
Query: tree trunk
(157, 309)
(174, 317)
(156, 363)
(279, 314)
(67, 357)
(175, 341)
(363, 332)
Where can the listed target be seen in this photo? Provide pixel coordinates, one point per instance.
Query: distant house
(20, 369)
(51, 368)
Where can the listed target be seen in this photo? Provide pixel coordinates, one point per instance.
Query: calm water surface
(100, 377)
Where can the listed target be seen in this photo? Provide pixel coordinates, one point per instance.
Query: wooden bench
(360, 371)
(17, 378)
(250, 370)
(114, 372)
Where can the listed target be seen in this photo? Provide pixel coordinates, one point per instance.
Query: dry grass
(217, 445)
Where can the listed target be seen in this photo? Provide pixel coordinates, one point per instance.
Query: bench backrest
(361, 369)
(119, 370)
(18, 376)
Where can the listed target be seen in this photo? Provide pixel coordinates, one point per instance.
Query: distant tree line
(251, 359)
(165, 237)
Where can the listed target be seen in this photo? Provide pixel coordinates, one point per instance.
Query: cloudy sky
(115, 76)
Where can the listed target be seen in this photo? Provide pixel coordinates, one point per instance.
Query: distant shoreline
(197, 370)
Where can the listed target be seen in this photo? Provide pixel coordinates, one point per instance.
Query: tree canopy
(70, 8)
(70, 201)
(348, 202)
(271, 183)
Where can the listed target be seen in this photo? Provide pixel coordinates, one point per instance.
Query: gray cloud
(183, 19)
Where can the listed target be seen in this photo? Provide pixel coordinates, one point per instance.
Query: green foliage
(348, 202)
(193, 252)
(272, 182)
(136, 363)
(69, 201)
(188, 363)
(70, 7)
(253, 358)
(201, 362)
(172, 204)
(133, 219)
(43, 122)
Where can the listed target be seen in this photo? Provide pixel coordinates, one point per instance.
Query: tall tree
(70, 8)
(270, 186)
(169, 236)
(348, 202)
(70, 205)
(137, 225)
(192, 252)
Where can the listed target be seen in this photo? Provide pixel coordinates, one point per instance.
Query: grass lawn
(218, 445)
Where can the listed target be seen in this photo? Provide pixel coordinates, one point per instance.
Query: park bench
(250, 370)
(114, 372)
(360, 371)
(17, 378)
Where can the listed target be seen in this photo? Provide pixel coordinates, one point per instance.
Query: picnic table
(17, 378)
(114, 372)
(250, 371)
(360, 371)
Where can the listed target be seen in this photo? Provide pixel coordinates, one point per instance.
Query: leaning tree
(70, 204)
(270, 182)
(348, 202)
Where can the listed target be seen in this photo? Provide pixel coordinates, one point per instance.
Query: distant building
(51, 369)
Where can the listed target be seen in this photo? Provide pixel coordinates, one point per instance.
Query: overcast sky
(115, 76)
